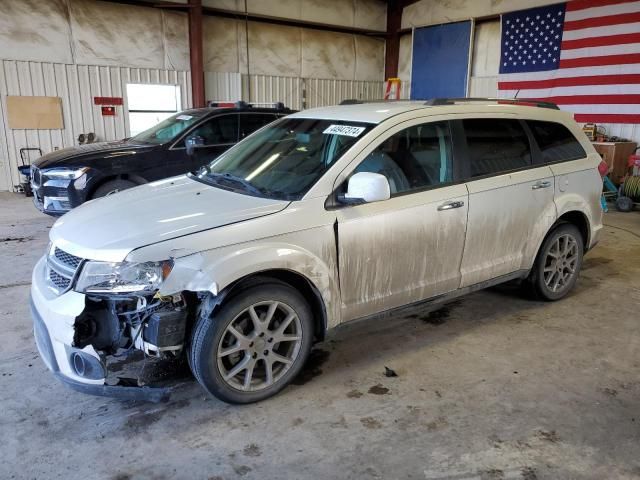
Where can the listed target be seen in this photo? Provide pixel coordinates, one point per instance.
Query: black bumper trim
(143, 394)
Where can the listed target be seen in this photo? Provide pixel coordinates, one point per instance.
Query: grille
(35, 175)
(67, 258)
(61, 283)
(61, 269)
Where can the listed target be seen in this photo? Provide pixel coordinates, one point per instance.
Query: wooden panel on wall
(37, 113)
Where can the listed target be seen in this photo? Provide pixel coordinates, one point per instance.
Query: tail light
(603, 168)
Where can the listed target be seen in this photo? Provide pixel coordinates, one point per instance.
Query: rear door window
(555, 141)
(250, 122)
(496, 145)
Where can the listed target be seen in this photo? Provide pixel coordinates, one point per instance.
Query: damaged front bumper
(83, 370)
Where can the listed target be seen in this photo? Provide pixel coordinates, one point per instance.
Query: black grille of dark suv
(61, 269)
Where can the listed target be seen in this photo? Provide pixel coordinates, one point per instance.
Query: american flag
(583, 55)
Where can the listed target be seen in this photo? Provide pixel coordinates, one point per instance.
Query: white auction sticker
(184, 117)
(348, 130)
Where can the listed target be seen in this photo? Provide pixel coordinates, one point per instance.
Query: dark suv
(64, 179)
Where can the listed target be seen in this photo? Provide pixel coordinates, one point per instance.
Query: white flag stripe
(600, 51)
(631, 7)
(601, 31)
(605, 109)
(570, 73)
(581, 90)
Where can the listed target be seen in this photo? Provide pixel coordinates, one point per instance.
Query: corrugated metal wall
(297, 93)
(76, 85)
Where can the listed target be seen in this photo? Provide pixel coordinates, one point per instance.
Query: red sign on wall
(108, 111)
(107, 100)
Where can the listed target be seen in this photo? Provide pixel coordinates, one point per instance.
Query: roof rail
(355, 101)
(244, 105)
(504, 101)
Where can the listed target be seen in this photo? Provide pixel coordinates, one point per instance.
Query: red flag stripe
(582, 4)
(607, 118)
(602, 60)
(601, 41)
(602, 21)
(593, 99)
(629, 79)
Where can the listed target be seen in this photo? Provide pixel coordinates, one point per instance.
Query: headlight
(125, 277)
(68, 173)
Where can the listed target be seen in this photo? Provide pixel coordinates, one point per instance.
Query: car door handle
(450, 205)
(539, 185)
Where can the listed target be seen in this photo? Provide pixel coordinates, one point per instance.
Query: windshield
(284, 159)
(168, 128)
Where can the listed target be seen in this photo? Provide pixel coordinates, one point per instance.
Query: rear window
(496, 146)
(556, 142)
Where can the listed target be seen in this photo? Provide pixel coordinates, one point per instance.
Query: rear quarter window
(555, 141)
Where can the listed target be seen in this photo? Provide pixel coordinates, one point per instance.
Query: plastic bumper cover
(53, 319)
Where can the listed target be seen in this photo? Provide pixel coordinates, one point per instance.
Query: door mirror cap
(191, 143)
(367, 187)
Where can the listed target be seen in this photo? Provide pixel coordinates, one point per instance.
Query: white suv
(323, 217)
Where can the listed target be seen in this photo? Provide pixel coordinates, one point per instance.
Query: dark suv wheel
(558, 263)
(254, 345)
(113, 186)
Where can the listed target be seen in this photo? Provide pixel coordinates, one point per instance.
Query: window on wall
(150, 104)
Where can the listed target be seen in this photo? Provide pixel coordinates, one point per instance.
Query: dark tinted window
(218, 130)
(250, 122)
(415, 158)
(496, 145)
(556, 142)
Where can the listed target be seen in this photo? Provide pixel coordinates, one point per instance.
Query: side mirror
(366, 187)
(191, 143)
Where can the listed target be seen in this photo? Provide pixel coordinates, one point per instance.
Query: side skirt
(446, 297)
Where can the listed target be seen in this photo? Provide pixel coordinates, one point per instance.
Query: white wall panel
(483, 87)
(269, 89)
(223, 86)
(322, 92)
(76, 85)
(368, 14)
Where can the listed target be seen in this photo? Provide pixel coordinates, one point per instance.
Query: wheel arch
(295, 280)
(109, 178)
(580, 220)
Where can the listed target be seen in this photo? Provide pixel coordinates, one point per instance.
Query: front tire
(254, 345)
(558, 263)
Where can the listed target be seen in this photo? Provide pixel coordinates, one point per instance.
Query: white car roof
(378, 112)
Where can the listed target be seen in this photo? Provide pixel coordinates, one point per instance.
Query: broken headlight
(124, 277)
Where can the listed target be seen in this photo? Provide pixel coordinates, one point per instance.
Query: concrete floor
(491, 387)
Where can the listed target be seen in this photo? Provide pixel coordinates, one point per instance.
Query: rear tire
(112, 186)
(235, 353)
(558, 263)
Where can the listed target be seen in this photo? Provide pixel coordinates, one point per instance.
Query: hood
(109, 228)
(68, 156)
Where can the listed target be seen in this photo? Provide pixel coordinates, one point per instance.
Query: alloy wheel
(259, 346)
(560, 263)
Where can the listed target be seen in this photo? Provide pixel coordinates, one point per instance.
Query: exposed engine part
(164, 331)
(113, 323)
(100, 326)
